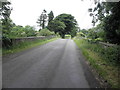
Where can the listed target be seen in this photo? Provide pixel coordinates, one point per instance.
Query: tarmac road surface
(57, 64)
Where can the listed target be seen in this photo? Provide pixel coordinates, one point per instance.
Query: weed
(104, 60)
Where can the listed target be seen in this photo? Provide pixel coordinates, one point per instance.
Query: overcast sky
(26, 12)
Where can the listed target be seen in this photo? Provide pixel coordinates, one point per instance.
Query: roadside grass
(101, 60)
(25, 45)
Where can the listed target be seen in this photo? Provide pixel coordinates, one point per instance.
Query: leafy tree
(20, 31)
(6, 22)
(50, 17)
(69, 22)
(42, 19)
(108, 14)
(29, 31)
(100, 32)
(5, 10)
(73, 32)
(96, 33)
(6, 27)
(17, 31)
(84, 31)
(57, 26)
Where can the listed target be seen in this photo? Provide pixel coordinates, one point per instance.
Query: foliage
(80, 34)
(29, 31)
(20, 31)
(110, 54)
(42, 19)
(7, 25)
(45, 32)
(64, 24)
(16, 32)
(73, 32)
(68, 20)
(94, 34)
(5, 11)
(108, 13)
(6, 22)
(84, 31)
(57, 26)
(50, 17)
(105, 60)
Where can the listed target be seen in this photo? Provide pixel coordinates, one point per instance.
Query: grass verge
(25, 45)
(106, 69)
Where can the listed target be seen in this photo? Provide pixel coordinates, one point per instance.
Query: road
(57, 64)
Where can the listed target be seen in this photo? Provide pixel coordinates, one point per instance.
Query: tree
(108, 14)
(58, 27)
(29, 31)
(69, 22)
(5, 11)
(20, 31)
(6, 22)
(50, 17)
(84, 31)
(42, 19)
(17, 31)
(73, 32)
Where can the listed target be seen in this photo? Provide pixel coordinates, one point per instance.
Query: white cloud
(26, 12)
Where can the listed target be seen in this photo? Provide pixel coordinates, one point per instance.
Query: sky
(26, 12)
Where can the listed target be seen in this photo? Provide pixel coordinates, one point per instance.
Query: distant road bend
(57, 64)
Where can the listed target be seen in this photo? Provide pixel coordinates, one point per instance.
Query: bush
(6, 42)
(105, 60)
(45, 32)
(110, 54)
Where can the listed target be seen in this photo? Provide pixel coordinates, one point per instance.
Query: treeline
(107, 15)
(49, 25)
(105, 59)
(62, 24)
(10, 30)
(108, 30)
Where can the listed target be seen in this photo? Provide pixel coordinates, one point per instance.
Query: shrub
(45, 32)
(110, 54)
